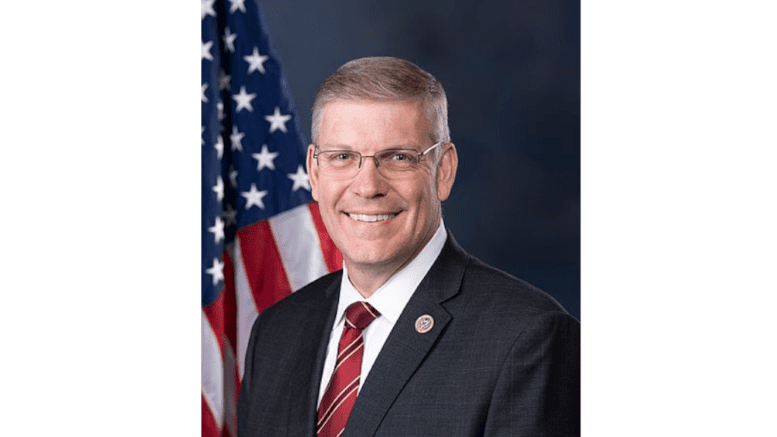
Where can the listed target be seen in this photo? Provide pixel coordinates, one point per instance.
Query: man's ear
(446, 171)
(312, 171)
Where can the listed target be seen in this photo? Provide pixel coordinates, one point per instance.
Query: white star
(219, 146)
(219, 189)
(220, 108)
(277, 121)
(254, 197)
(224, 80)
(233, 177)
(237, 4)
(229, 40)
(230, 214)
(265, 158)
(203, 97)
(207, 8)
(255, 61)
(206, 50)
(217, 271)
(243, 100)
(300, 179)
(218, 230)
(202, 131)
(236, 137)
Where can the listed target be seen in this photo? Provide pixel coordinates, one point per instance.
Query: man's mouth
(370, 217)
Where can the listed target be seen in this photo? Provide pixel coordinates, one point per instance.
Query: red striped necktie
(341, 392)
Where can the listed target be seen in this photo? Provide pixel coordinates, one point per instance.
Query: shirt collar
(392, 297)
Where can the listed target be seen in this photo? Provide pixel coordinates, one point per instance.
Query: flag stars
(219, 146)
(254, 197)
(243, 100)
(207, 8)
(233, 177)
(230, 215)
(229, 40)
(224, 80)
(228, 180)
(236, 137)
(206, 46)
(300, 179)
(237, 4)
(220, 109)
(219, 189)
(217, 271)
(255, 61)
(277, 121)
(217, 230)
(265, 158)
(203, 97)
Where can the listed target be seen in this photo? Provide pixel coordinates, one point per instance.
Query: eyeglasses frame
(374, 157)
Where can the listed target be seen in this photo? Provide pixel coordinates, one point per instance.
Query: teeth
(371, 218)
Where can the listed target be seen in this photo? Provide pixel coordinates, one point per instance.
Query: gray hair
(386, 78)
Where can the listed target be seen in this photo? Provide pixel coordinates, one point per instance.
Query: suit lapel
(405, 347)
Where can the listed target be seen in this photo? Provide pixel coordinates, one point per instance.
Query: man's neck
(368, 280)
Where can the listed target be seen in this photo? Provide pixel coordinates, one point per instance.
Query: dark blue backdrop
(512, 74)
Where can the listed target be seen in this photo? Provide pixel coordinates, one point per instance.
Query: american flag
(262, 236)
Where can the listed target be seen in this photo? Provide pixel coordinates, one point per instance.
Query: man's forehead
(364, 116)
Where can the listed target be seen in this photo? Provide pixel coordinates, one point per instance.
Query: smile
(371, 218)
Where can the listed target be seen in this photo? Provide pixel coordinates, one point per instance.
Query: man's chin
(370, 257)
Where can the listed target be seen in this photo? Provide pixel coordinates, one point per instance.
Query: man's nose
(369, 182)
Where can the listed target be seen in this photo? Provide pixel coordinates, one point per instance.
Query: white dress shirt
(390, 300)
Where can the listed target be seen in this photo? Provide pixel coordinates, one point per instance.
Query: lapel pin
(424, 324)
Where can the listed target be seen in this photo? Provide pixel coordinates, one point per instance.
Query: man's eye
(341, 156)
(400, 157)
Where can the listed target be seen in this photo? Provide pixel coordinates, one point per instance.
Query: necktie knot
(360, 314)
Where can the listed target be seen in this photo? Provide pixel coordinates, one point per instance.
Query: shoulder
(302, 302)
(504, 308)
(466, 283)
(486, 284)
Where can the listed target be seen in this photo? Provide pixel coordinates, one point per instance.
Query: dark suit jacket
(502, 359)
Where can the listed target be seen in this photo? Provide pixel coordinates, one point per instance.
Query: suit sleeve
(244, 397)
(538, 389)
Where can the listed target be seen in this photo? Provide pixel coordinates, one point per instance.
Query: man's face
(378, 222)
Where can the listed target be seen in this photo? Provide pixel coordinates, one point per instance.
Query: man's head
(380, 217)
(386, 79)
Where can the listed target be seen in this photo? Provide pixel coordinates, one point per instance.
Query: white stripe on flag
(297, 241)
(212, 371)
(246, 306)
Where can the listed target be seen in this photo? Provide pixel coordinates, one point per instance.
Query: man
(414, 336)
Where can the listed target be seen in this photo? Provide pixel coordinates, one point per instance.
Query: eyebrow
(334, 147)
(327, 148)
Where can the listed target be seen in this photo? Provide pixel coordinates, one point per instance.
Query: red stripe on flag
(209, 426)
(332, 256)
(263, 265)
(230, 300)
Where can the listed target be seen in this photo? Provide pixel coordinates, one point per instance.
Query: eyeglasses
(391, 162)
